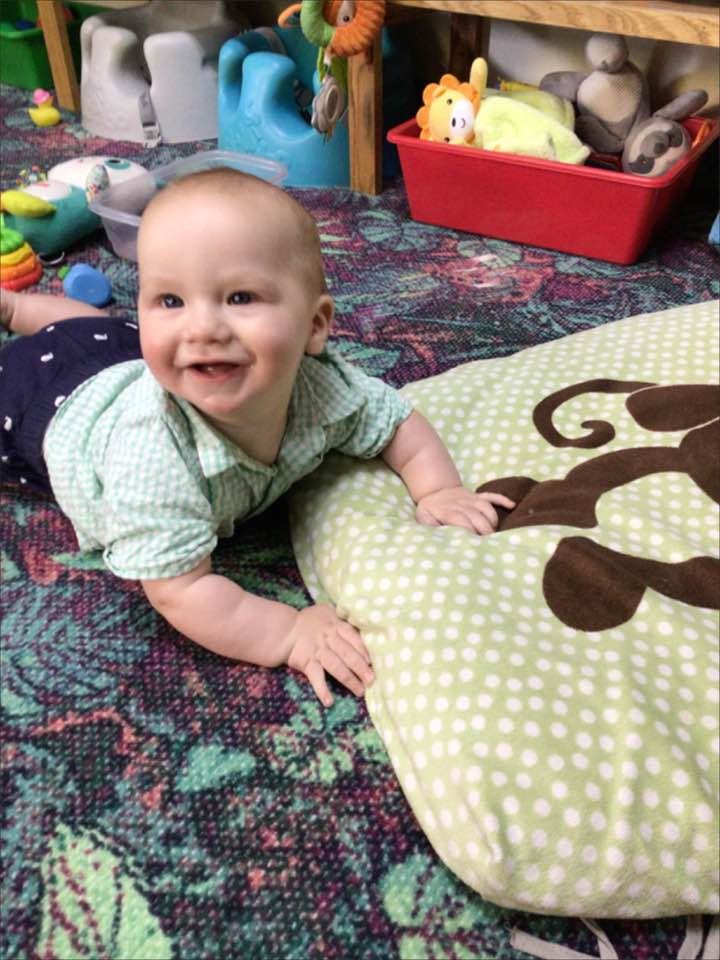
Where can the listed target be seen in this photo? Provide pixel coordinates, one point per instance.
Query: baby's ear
(321, 324)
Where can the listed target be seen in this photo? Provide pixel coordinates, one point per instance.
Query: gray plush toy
(654, 145)
(613, 104)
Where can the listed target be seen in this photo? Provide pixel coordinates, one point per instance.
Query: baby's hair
(305, 249)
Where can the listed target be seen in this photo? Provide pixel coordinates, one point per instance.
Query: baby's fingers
(352, 658)
(357, 659)
(348, 632)
(316, 675)
(464, 517)
(424, 516)
(485, 509)
(339, 668)
(499, 499)
(483, 522)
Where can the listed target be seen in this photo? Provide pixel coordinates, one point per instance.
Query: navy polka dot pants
(38, 373)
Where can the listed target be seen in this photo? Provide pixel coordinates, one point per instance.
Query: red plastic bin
(584, 210)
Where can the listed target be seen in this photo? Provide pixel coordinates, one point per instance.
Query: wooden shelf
(59, 54)
(693, 23)
(656, 19)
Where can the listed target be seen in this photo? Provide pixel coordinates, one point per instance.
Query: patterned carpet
(162, 802)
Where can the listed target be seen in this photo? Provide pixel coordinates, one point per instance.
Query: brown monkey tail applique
(601, 432)
(586, 585)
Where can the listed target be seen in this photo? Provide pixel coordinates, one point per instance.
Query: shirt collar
(215, 451)
(323, 394)
(328, 385)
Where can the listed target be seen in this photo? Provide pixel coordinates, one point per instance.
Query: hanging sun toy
(339, 29)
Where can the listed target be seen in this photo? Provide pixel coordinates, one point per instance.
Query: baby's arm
(219, 615)
(421, 459)
(26, 313)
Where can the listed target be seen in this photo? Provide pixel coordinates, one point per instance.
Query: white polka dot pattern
(552, 769)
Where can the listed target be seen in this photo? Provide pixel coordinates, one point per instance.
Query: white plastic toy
(77, 170)
(149, 73)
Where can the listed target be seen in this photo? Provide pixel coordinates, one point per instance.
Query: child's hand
(320, 641)
(459, 507)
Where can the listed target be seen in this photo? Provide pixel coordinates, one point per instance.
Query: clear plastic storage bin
(120, 207)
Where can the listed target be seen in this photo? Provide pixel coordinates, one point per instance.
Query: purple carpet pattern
(162, 802)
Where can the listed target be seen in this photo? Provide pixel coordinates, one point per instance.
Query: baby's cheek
(282, 348)
(153, 349)
(147, 343)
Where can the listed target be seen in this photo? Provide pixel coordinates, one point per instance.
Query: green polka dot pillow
(548, 695)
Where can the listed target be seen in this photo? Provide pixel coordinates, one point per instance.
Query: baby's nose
(207, 323)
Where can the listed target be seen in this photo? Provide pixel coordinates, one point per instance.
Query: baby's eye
(170, 301)
(239, 298)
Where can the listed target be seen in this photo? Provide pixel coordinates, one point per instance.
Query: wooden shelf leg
(365, 120)
(469, 36)
(59, 54)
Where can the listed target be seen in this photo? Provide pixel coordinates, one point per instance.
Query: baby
(155, 441)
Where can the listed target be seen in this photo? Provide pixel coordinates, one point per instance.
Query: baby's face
(225, 314)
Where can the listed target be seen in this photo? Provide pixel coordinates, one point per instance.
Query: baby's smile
(217, 371)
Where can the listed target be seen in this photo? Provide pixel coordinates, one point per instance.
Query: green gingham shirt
(144, 478)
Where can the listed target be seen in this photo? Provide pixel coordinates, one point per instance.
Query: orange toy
(339, 29)
(450, 107)
(19, 265)
(343, 27)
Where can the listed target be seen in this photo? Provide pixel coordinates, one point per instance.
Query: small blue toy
(83, 282)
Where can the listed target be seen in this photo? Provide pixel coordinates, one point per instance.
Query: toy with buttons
(51, 210)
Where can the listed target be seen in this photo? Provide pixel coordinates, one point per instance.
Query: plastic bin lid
(125, 202)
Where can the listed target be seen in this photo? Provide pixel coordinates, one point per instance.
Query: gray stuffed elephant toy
(613, 108)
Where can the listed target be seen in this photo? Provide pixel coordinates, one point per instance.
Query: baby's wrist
(444, 488)
(286, 629)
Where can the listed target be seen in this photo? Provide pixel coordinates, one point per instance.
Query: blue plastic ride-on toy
(267, 79)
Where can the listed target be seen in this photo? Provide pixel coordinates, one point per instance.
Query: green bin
(23, 58)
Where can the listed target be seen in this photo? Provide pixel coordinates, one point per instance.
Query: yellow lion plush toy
(450, 107)
(516, 119)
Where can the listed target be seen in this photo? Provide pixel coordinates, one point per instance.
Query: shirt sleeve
(158, 519)
(380, 411)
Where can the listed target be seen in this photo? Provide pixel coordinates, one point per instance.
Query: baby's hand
(459, 507)
(320, 641)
